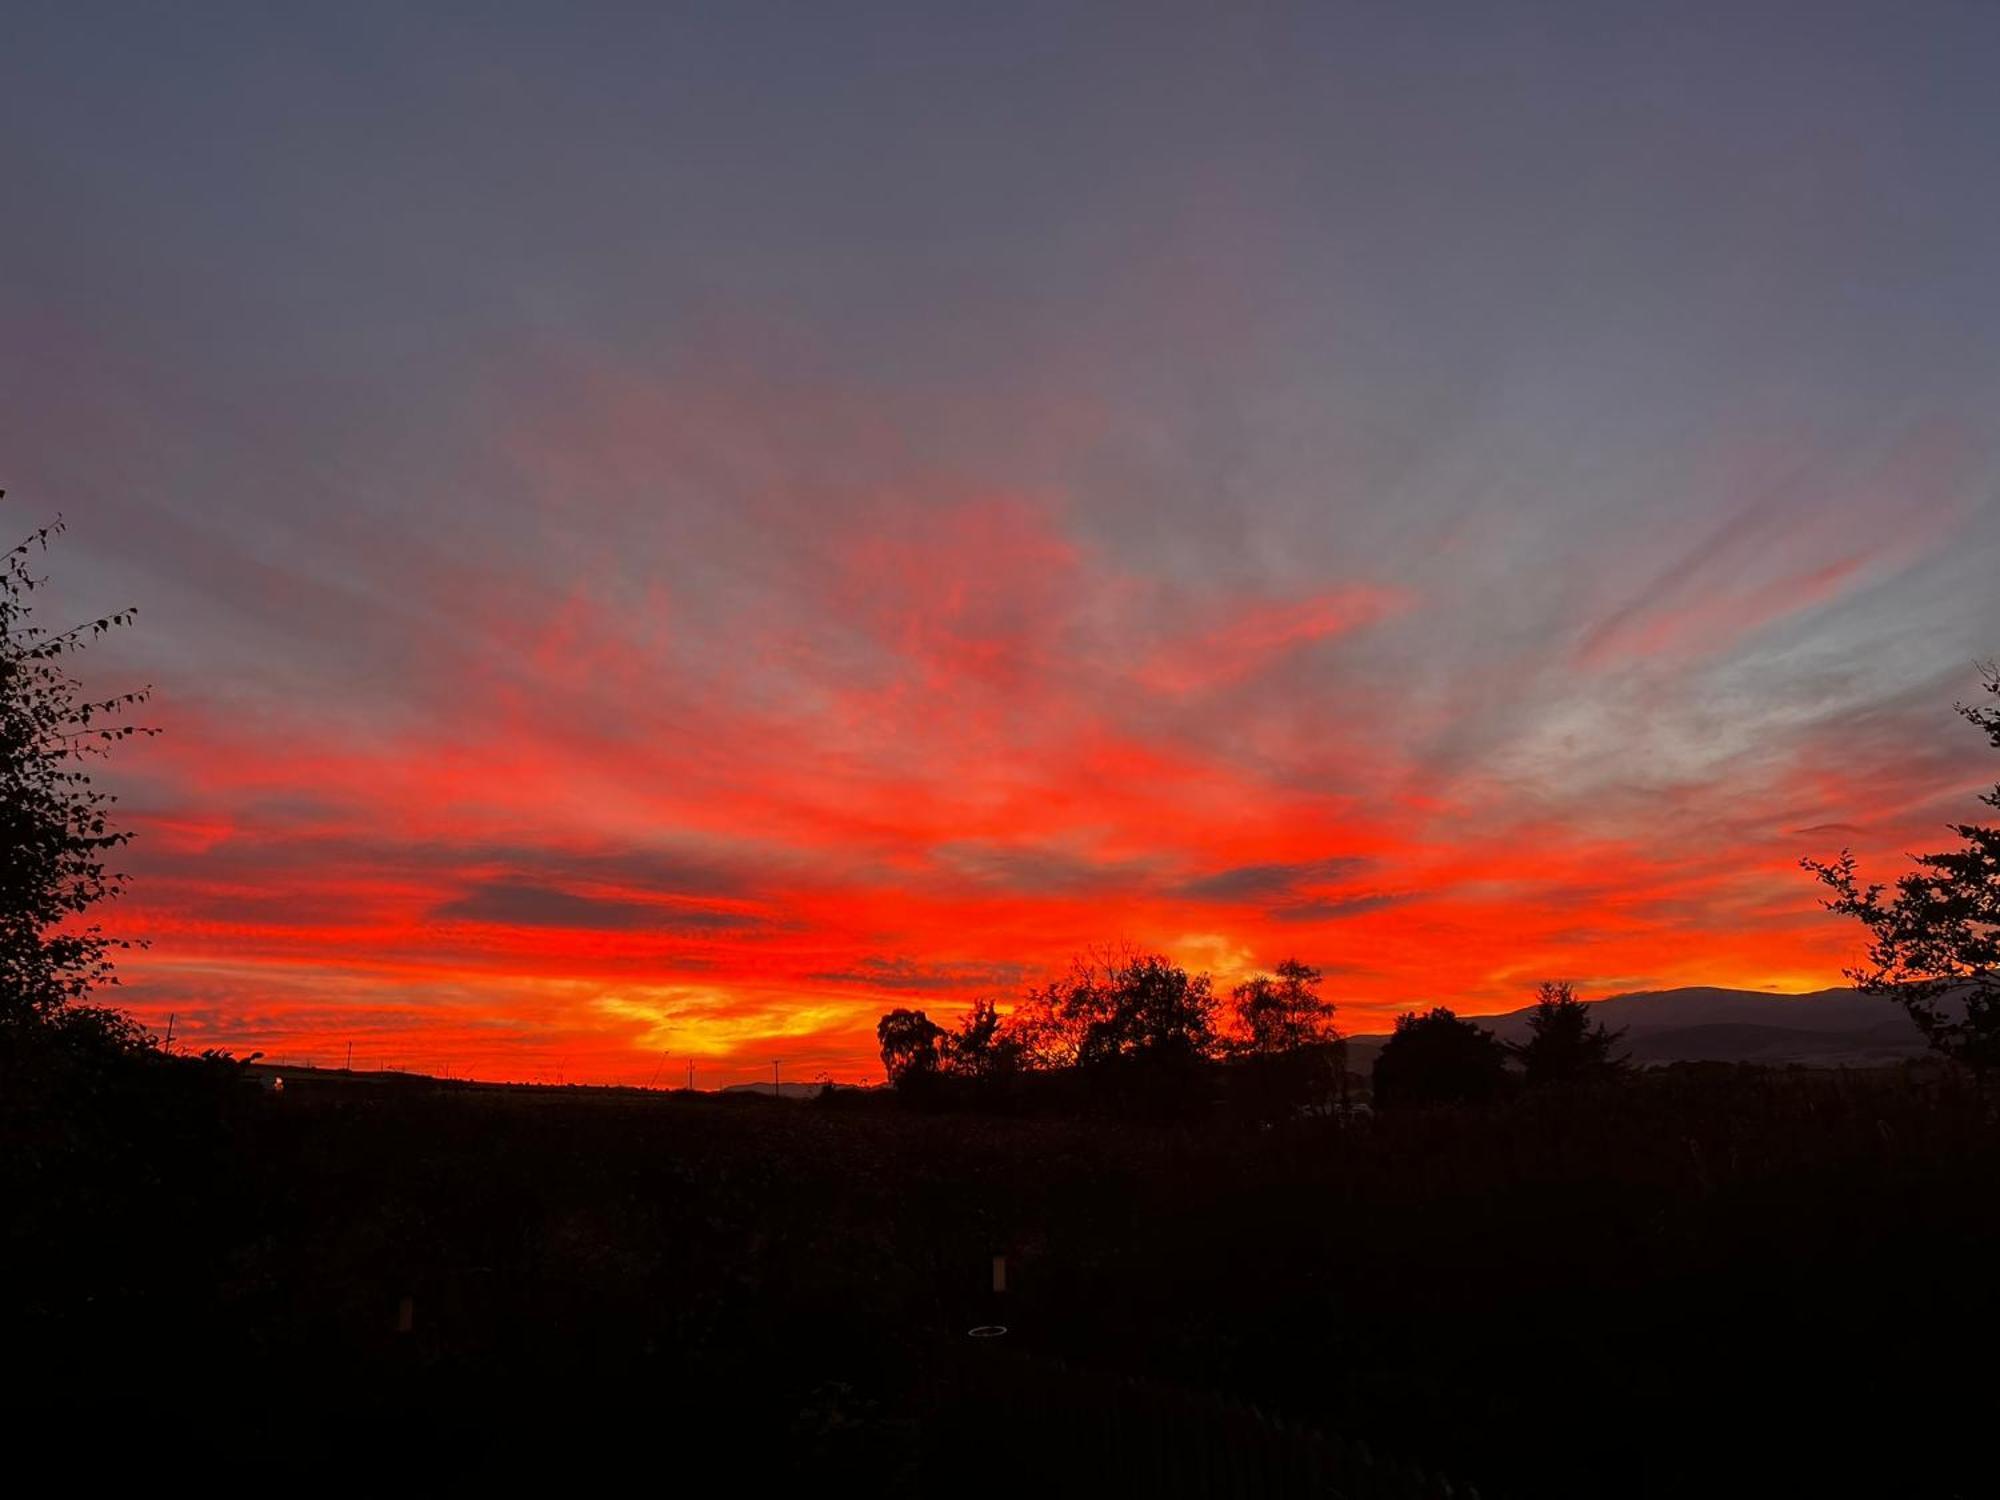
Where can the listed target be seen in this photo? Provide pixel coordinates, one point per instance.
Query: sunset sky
(668, 531)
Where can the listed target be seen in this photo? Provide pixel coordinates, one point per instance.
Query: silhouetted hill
(785, 1090)
(1736, 1041)
(1825, 1028)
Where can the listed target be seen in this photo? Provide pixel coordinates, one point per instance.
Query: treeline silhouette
(1127, 1031)
(1135, 1034)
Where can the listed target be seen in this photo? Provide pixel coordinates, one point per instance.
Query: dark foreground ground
(1709, 1281)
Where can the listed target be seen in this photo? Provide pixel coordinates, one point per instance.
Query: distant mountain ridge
(1824, 1028)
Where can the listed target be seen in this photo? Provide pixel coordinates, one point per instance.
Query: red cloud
(780, 753)
(1254, 633)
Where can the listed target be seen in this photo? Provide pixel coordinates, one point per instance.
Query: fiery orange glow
(724, 780)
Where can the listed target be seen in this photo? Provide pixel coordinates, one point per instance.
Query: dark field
(1706, 1281)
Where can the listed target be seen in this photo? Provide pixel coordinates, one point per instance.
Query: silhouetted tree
(1934, 948)
(1114, 1003)
(1564, 1044)
(1138, 1026)
(982, 1047)
(1146, 1009)
(909, 1041)
(1041, 1030)
(1291, 1056)
(1282, 1012)
(1437, 1058)
(54, 825)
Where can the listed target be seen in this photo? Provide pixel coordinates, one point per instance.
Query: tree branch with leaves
(55, 825)
(1934, 944)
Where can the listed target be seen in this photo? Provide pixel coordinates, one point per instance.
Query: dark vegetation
(1730, 1281)
(1534, 1268)
(1934, 945)
(1130, 1034)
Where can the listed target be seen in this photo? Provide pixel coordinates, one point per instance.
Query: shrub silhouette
(1564, 1045)
(1934, 948)
(1437, 1058)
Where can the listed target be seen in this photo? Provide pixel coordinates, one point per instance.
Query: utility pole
(350, 1055)
(774, 1077)
(690, 1075)
(169, 1045)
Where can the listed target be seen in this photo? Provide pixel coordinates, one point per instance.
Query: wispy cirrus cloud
(1252, 635)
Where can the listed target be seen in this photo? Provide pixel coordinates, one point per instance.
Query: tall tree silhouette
(1436, 1058)
(909, 1041)
(55, 827)
(1934, 947)
(1564, 1044)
